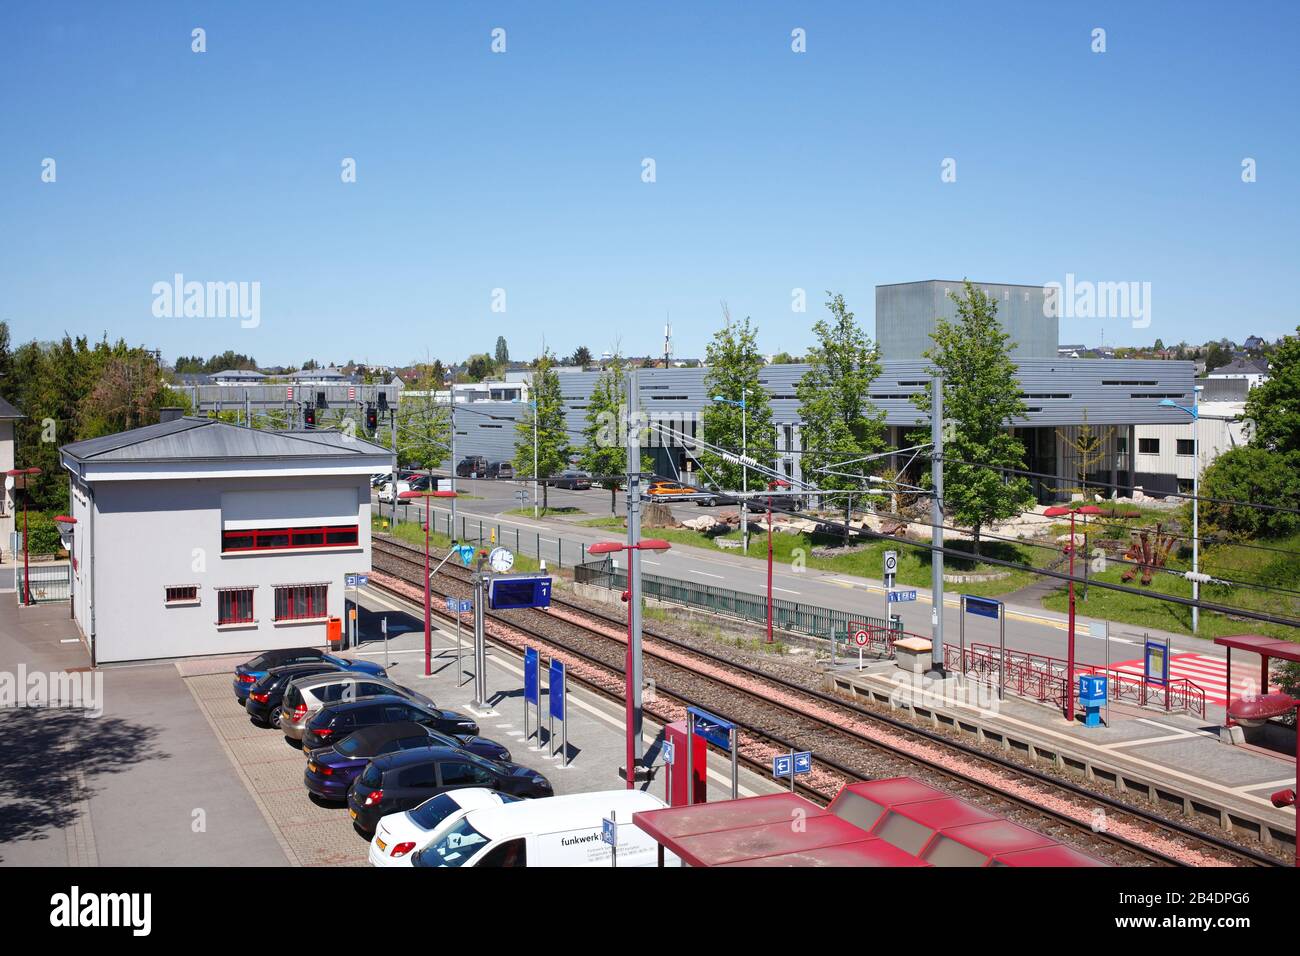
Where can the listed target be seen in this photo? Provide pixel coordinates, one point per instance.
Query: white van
(552, 831)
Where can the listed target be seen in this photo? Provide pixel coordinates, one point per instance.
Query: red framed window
(182, 594)
(300, 602)
(235, 606)
(265, 539)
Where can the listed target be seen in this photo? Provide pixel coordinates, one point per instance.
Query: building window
(235, 606)
(1185, 486)
(265, 539)
(181, 594)
(300, 602)
(1186, 446)
(1148, 446)
(1121, 445)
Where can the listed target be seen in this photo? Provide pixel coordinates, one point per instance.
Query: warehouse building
(194, 536)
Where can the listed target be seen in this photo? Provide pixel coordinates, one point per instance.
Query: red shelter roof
(1262, 644)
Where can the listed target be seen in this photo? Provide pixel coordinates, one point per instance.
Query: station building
(1110, 398)
(194, 536)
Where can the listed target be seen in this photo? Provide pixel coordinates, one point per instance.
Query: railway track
(851, 742)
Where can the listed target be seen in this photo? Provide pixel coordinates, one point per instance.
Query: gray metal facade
(906, 314)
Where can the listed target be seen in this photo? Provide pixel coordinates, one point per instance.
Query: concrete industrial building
(195, 536)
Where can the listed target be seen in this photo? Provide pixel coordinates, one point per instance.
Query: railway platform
(1176, 761)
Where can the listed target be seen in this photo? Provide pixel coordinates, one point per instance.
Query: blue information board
(532, 679)
(786, 764)
(557, 689)
(896, 597)
(984, 607)
(1156, 663)
(711, 727)
(609, 831)
(519, 591)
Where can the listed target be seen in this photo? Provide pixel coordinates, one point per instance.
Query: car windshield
(257, 663)
(351, 746)
(455, 848)
(432, 812)
(373, 776)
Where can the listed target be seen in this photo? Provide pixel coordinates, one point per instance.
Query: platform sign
(532, 676)
(519, 591)
(466, 552)
(897, 597)
(556, 678)
(984, 607)
(1155, 669)
(357, 580)
(711, 727)
(891, 567)
(1092, 689)
(667, 751)
(797, 763)
(609, 831)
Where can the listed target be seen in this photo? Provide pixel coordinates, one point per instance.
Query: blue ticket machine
(1092, 698)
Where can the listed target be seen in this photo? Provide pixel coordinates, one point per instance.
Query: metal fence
(789, 616)
(48, 584)
(559, 550)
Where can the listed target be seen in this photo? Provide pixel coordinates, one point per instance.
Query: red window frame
(235, 606)
(301, 602)
(266, 539)
(181, 594)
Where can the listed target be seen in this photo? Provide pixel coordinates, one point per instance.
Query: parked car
(472, 466)
(715, 498)
(251, 671)
(404, 780)
(336, 721)
(501, 469)
(306, 697)
(669, 489)
(386, 490)
(400, 835)
(331, 770)
(266, 696)
(560, 831)
(572, 479)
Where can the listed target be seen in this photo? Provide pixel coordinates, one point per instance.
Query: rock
(703, 523)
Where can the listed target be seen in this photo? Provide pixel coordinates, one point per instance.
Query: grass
(543, 512)
(1222, 560)
(913, 559)
(413, 533)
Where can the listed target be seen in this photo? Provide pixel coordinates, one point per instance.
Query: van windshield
(457, 845)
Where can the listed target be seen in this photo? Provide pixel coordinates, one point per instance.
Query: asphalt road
(1031, 629)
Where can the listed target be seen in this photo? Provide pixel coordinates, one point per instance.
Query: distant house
(1070, 351)
(236, 376)
(1252, 370)
(1253, 343)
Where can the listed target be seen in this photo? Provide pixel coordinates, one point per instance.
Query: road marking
(705, 573)
(785, 590)
(1146, 740)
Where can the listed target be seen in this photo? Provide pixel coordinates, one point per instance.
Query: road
(1029, 629)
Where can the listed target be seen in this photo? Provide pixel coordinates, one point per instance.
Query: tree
(423, 427)
(480, 367)
(734, 367)
(502, 353)
(981, 396)
(785, 358)
(1090, 450)
(1274, 405)
(841, 424)
(581, 357)
(546, 409)
(1216, 356)
(1252, 474)
(604, 455)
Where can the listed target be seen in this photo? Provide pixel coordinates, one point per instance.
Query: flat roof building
(195, 536)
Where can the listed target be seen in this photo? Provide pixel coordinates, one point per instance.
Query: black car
(573, 479)
(266, 696)
(472, 466)
(716, 498)
(335, 721)
(402, 781)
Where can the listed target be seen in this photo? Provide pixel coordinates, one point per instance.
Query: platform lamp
(771, 486)
(1058, 512)
(611, 547)
(13, 475)
(428, 574)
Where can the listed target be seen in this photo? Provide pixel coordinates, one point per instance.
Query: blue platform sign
(357, 580)
(900, 596)
(1092, 689)
(466, 552)
(532, 677)
(557, 689)
(711, 727)
(984, 607)
(464, 605)
(667, 751)
(1156, 662)
(786, 764)
(518, 591)
(609, 831)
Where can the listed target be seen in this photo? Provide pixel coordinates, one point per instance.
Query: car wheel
(275, 718)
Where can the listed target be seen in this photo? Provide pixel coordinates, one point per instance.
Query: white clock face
(501, 559)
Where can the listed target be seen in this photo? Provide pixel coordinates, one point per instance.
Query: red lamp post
(1057, 512)
(771, 486)
(428, 595)
(610, 547)
(17, 473)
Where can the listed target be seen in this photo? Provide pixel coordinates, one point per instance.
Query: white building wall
(148, 535)
(1216, 435)
(6, 500)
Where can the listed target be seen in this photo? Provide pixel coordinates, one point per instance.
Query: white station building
(196, 537)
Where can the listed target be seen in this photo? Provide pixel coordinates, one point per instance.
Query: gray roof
(318, 373)
(207, 439)
(8, 412)
(239, 373)
(1241, 367)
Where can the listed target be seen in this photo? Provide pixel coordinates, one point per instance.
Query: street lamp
(1058, 512)
(771, 486)
(428, 575)
(1195, 411)
(611, 547)
(14, 474)
(743, 405)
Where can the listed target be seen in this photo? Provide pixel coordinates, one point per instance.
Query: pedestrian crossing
(1206, 672)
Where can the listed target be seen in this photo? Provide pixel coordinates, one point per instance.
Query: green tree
(604, 455)
(423, 423)
(546, 409)
(734, 367)
(981, 396)
(841, 424)
(1274, 405)
(1252, 474)
(480, 367)
(1216, 356)
(581, 357)
(503, 352)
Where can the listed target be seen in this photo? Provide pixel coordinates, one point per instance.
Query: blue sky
(522, 171)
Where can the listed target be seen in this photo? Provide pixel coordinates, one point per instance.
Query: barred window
(300, 602)
(181, 594)
(235, 606)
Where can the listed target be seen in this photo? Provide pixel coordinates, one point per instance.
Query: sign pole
(383, 625)
(1108, 673)
(690, 759)
(550, 712)
(792, 770)
(1002, 653)
(735, 776)
(460, 670)
(961, 630)
(564, 720)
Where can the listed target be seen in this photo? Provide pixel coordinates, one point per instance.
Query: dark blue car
(250, 672)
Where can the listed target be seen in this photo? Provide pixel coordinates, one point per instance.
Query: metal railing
(48, 584)
(473, 530)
